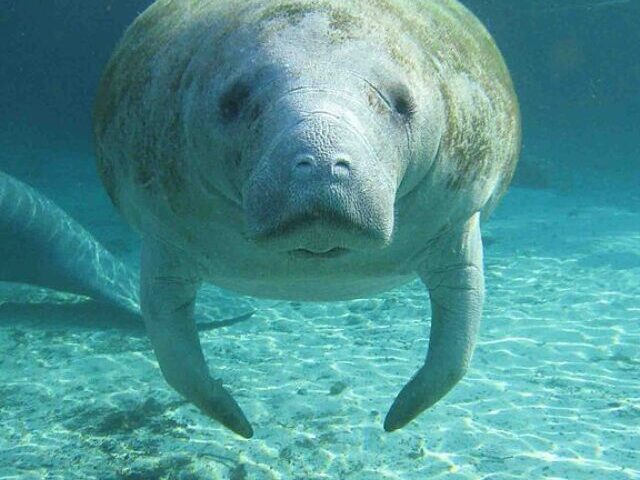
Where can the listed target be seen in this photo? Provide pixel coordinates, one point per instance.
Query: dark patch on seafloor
(108, 422)
(239, 472)
(337, 388)
(133, 439)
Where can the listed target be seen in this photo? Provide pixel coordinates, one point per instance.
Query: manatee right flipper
(455, 279)
(167, 300)
(41, 245)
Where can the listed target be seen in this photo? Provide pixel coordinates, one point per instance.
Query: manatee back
(481, 142)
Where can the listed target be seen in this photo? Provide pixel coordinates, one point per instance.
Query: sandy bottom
(553, 392)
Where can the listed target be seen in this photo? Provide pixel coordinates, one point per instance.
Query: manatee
(41, 245)
(309, 150)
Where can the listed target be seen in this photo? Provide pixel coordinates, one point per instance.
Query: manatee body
(307, 150)
(41, 245)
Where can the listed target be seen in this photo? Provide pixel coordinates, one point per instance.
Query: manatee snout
(320, 187)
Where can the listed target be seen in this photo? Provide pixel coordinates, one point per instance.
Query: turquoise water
(554, 387)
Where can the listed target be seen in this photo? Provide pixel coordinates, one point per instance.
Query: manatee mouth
(308, 254)
(318, 237)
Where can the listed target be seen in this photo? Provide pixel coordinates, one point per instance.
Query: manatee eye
(403, 103)
(233, 101)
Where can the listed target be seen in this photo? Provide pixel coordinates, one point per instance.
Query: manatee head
(319, 136)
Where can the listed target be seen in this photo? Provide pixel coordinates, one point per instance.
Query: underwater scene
(320, 239)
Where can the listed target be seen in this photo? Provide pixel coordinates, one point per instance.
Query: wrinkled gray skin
(307, 151)
(41, 245)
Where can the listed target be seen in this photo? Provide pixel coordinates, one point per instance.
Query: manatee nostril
(306, 166)
(341, 167)
(303, 165)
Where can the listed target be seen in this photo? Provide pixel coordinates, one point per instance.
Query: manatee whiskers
(321, 227)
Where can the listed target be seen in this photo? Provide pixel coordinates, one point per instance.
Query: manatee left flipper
(168, 295)
(41, 245)
(456, 289)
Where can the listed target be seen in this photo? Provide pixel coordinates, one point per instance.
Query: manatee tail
(41, 245)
